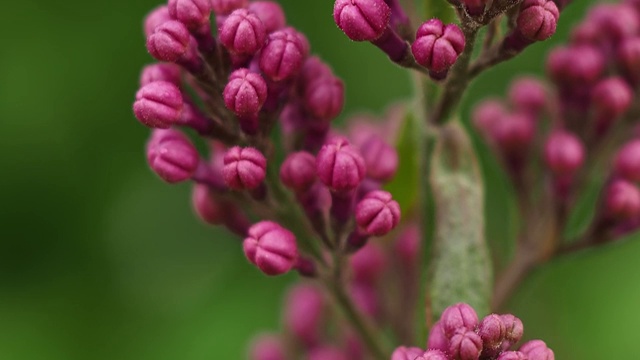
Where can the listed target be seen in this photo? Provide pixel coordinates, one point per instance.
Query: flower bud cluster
(249, 75)
(460, 335)
(586, 104)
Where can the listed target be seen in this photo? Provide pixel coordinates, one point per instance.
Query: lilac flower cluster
(254, 75)
(577, 120)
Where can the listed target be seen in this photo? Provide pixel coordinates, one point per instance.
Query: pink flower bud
(192, 13)
(612, 97)
(271, 248)
(406, 353)
(324, 97)
(303, 313)
(492, 332)
(267, 347)
(172, 156)
(365, 298)
(380, 158)
(564, 153)
(245, 95)
(438, 46)
(627, 162)
(244, 168)
(215, 211)
(158, 104)
(161, 72)
(270, 13)
(575, 66)
(298, 172)
(155, 18)
(284, 54)
(537, 350)
(513, 355)
(538, 19)
(169, 42)
(487, 115)
(513, 329)
(313, 69)
(437, 339)
(362, 20)
(465, 346)
(339, 166)
(243, 32)
(377, 213)
(615, 21)
(407, 247)
(458, 318)
(368, 264)
(528, 95)
(623, 200)
(226, 7)
(514, 132)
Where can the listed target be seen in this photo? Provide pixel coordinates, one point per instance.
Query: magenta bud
(245, 95)
(487, 115)
(514, 329)
(615, 21)
(406, 353)
(271, 14)
(458, 318)
(465, 346)
(169, 42)
(298, 171)
(492, 332)
(226, 7)
(324, 97)
(192, 13)
(514, 132)
(623, 200)
(612, 97)
(161, 72)
(327, 353)
(564, 153)
(368, 264)
(172, 156)
(158, 104)
(537, 350)
(575, 66)
(433, 355)
(627, 163)
(362, 20)
(205, 206)
(380, 158)
(284, 54)
(313, 69)
(244, 168)
(377, 213)
(339, 166)
(267, 347)
(629, 56)
(243, 32)
(513, 355)
(538, 19)
(438, 46)
(407, 247)
(155, 18)
(303, 313)
(271, 248)
(528, 95)
(437, 339)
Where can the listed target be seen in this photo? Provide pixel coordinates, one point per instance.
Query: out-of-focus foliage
(100, 260)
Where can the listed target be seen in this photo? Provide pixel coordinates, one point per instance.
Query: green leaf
(404, 185)
(461, 268)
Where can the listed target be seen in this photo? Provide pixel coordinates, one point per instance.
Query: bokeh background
(101, 260)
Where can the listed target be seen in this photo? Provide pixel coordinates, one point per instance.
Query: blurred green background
(101, 260)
